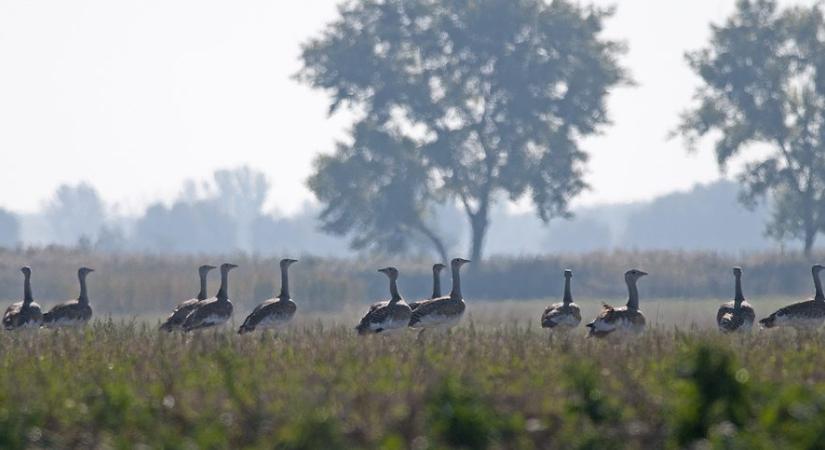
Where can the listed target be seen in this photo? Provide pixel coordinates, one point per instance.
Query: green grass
(489, 384)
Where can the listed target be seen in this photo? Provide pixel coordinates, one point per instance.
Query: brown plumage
(565, 315)
(736, 315)
(437, 268)
(175, 320)
(805, 314)
(213, 311)
(72, 313)
(25, 313)
(624, 320)
(442, 312)
(275, 312)
(392, 315)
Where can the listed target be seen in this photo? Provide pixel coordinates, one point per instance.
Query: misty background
(226, 215)
(185, 128)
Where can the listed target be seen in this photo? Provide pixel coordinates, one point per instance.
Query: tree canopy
(763, 76)
(464, 101)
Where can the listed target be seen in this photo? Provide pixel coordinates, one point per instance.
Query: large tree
(763, 94)
(463, 101)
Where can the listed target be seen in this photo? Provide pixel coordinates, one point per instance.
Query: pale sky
(134, 97)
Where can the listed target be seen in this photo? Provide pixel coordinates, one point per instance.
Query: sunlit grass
(491, 382)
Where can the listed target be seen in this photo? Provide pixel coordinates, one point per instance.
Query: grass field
(497, 381)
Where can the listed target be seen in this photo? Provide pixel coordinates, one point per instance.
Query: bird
(565, 315)
(804, 314)
(72, 313)
(623, 320)
(737, 315)
(175, 320)
(26, 313)
(275, 312)
(390, 316)
(212, 311)
(437, 268)
(442, 312)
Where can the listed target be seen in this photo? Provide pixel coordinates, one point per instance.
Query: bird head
(391, 272)
(634, 274)
(204, 269)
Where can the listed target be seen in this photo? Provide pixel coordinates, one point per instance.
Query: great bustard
(623, 320)
(737, 315)
(72, 313)
(175, 320)
(275, 312)
(437, 268)
(442, 312)
(805, 314)
(213, 311)
(389, 316)
(565, 315)
(25, 313)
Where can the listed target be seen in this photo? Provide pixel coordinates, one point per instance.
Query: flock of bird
(395, 314)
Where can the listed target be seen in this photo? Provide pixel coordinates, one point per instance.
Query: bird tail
(245, 329)
(166, 326)
(768, 322)
(362, 329)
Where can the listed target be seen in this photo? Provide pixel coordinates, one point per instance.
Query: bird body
(178, 316)
(276, 312)
(621, 321)
(442, 312)
(73, 313)
(804, 314)
(25, 313)
(386, 317)
(437, 268)
(213, 311)
(565, 315)
(736, 315)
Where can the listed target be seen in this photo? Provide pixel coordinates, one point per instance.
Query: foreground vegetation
(124, 385)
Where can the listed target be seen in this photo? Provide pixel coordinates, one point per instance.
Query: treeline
(151, 285)
(223, 219)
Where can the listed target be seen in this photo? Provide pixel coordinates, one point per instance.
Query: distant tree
(376, 190)
(459, 100)
(9, 229)
(241, 194)
(186, 227)
(764, 83)
(74, 213)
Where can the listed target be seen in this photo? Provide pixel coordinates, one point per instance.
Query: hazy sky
(136, 96)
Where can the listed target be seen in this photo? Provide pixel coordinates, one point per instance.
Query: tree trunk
(438, 244)
(810, 238)
(478, 224)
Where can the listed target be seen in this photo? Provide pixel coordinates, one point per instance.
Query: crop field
(496, 381)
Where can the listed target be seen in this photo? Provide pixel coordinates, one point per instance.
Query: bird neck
(632, 294)
(284, 295)
(202, 294)
(27, 289)
(84, 294)
(395, 296)
(739, 296)
(436, 284)
(455, 293)
(223, 292)
(568, 296)
(818, 295)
